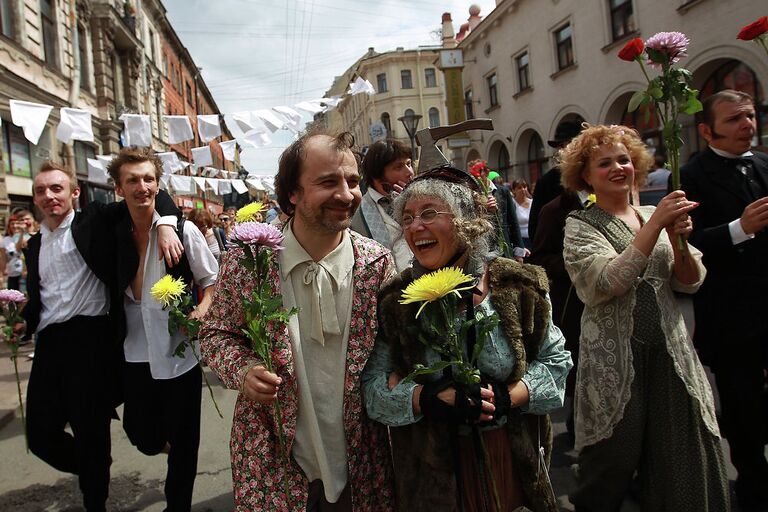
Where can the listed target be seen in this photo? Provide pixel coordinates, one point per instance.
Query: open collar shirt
(147, 337)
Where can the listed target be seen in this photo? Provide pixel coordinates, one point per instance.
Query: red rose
(632, 50)
(754, 30)
(474, 172)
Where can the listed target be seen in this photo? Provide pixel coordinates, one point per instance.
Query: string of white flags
(250, 128)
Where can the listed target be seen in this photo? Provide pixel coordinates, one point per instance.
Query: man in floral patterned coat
(339, 458)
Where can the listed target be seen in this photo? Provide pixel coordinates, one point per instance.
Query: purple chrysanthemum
(673, 44)
(258, 233)
(12, 296)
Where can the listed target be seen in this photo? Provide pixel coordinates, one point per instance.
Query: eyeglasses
(427, 217)
(224, 219)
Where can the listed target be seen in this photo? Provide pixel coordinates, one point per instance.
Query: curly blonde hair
(574, 157)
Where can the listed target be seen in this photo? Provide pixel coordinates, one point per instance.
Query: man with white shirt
(162, 391)
(339, 458)
(76, 357)
(386, 170)
(731, 333)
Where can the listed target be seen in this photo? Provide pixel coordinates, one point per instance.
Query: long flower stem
(21, 403)
(205, 378)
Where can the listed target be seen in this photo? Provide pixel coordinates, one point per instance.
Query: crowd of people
(590, 283)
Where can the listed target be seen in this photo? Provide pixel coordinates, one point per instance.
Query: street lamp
(411, 123)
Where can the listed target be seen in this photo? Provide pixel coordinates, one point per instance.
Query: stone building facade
(530, 65)
(104, 56)
(406, 82)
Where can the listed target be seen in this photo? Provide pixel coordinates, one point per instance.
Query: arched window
(434, 117)
(387, 123)
(502, 160)
(408, 112)
(536, 158)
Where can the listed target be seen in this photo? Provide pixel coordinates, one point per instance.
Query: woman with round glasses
(523, 365)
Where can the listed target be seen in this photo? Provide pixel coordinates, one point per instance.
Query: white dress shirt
(68, 288)
(323, 292)
(147, 338)
(734, 227)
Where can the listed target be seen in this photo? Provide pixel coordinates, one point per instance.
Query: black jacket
(737, 275)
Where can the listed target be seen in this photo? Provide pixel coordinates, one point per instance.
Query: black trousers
(69, 385)
(742, 386)
(159, 412)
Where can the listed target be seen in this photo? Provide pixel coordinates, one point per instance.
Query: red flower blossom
(632, 50)
(478, 167)
(754, 30)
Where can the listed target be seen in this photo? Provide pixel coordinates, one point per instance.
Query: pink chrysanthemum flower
(673, 44)
(7, 296)
(258, 233)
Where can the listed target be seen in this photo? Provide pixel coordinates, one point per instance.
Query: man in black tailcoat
(72, 382)
(731, 332)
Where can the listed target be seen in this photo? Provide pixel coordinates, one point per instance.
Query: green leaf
(692, 104)
(636, 100)
(656, 56)
(420, 369)
(656, 92)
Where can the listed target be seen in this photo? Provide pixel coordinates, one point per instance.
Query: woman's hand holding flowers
(442, 400)
(672, 214)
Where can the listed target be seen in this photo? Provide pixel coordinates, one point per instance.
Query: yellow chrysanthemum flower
(248, 212)
(167, 289)
(436, 285)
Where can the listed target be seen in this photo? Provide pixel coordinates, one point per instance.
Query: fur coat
(422, 453)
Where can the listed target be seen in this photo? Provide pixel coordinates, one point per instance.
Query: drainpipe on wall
(74, 78)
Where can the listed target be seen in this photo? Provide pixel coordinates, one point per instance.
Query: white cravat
(324, 317)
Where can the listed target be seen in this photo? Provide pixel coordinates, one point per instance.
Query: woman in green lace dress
(643, 403)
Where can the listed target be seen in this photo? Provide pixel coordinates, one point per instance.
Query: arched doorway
(645, 121)
(734, 74)
(498, 159)
(472, 155)
(530, 157)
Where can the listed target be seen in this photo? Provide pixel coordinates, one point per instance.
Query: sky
(258, 54)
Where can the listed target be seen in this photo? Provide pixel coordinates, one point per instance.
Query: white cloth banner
(257, 139)
(294, 120)
(311, 106)
(228, 147)
(212, 183)
(171, 162)
(75, 124)
(97, 172)
(211, 172)
(200, 182)
(239, 186)
(361, 85)
(202, 156)
(255, 183)
(225, 187)
(208, 127)
(179, 129)
(31, 117)
(272, 121)
(138, 130)
(333, 101)
(182, 184)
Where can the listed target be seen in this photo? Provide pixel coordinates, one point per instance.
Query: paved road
(29, 485)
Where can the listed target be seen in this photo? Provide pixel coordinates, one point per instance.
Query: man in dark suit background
(731, 333)
(548, 187)
(72, 380)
